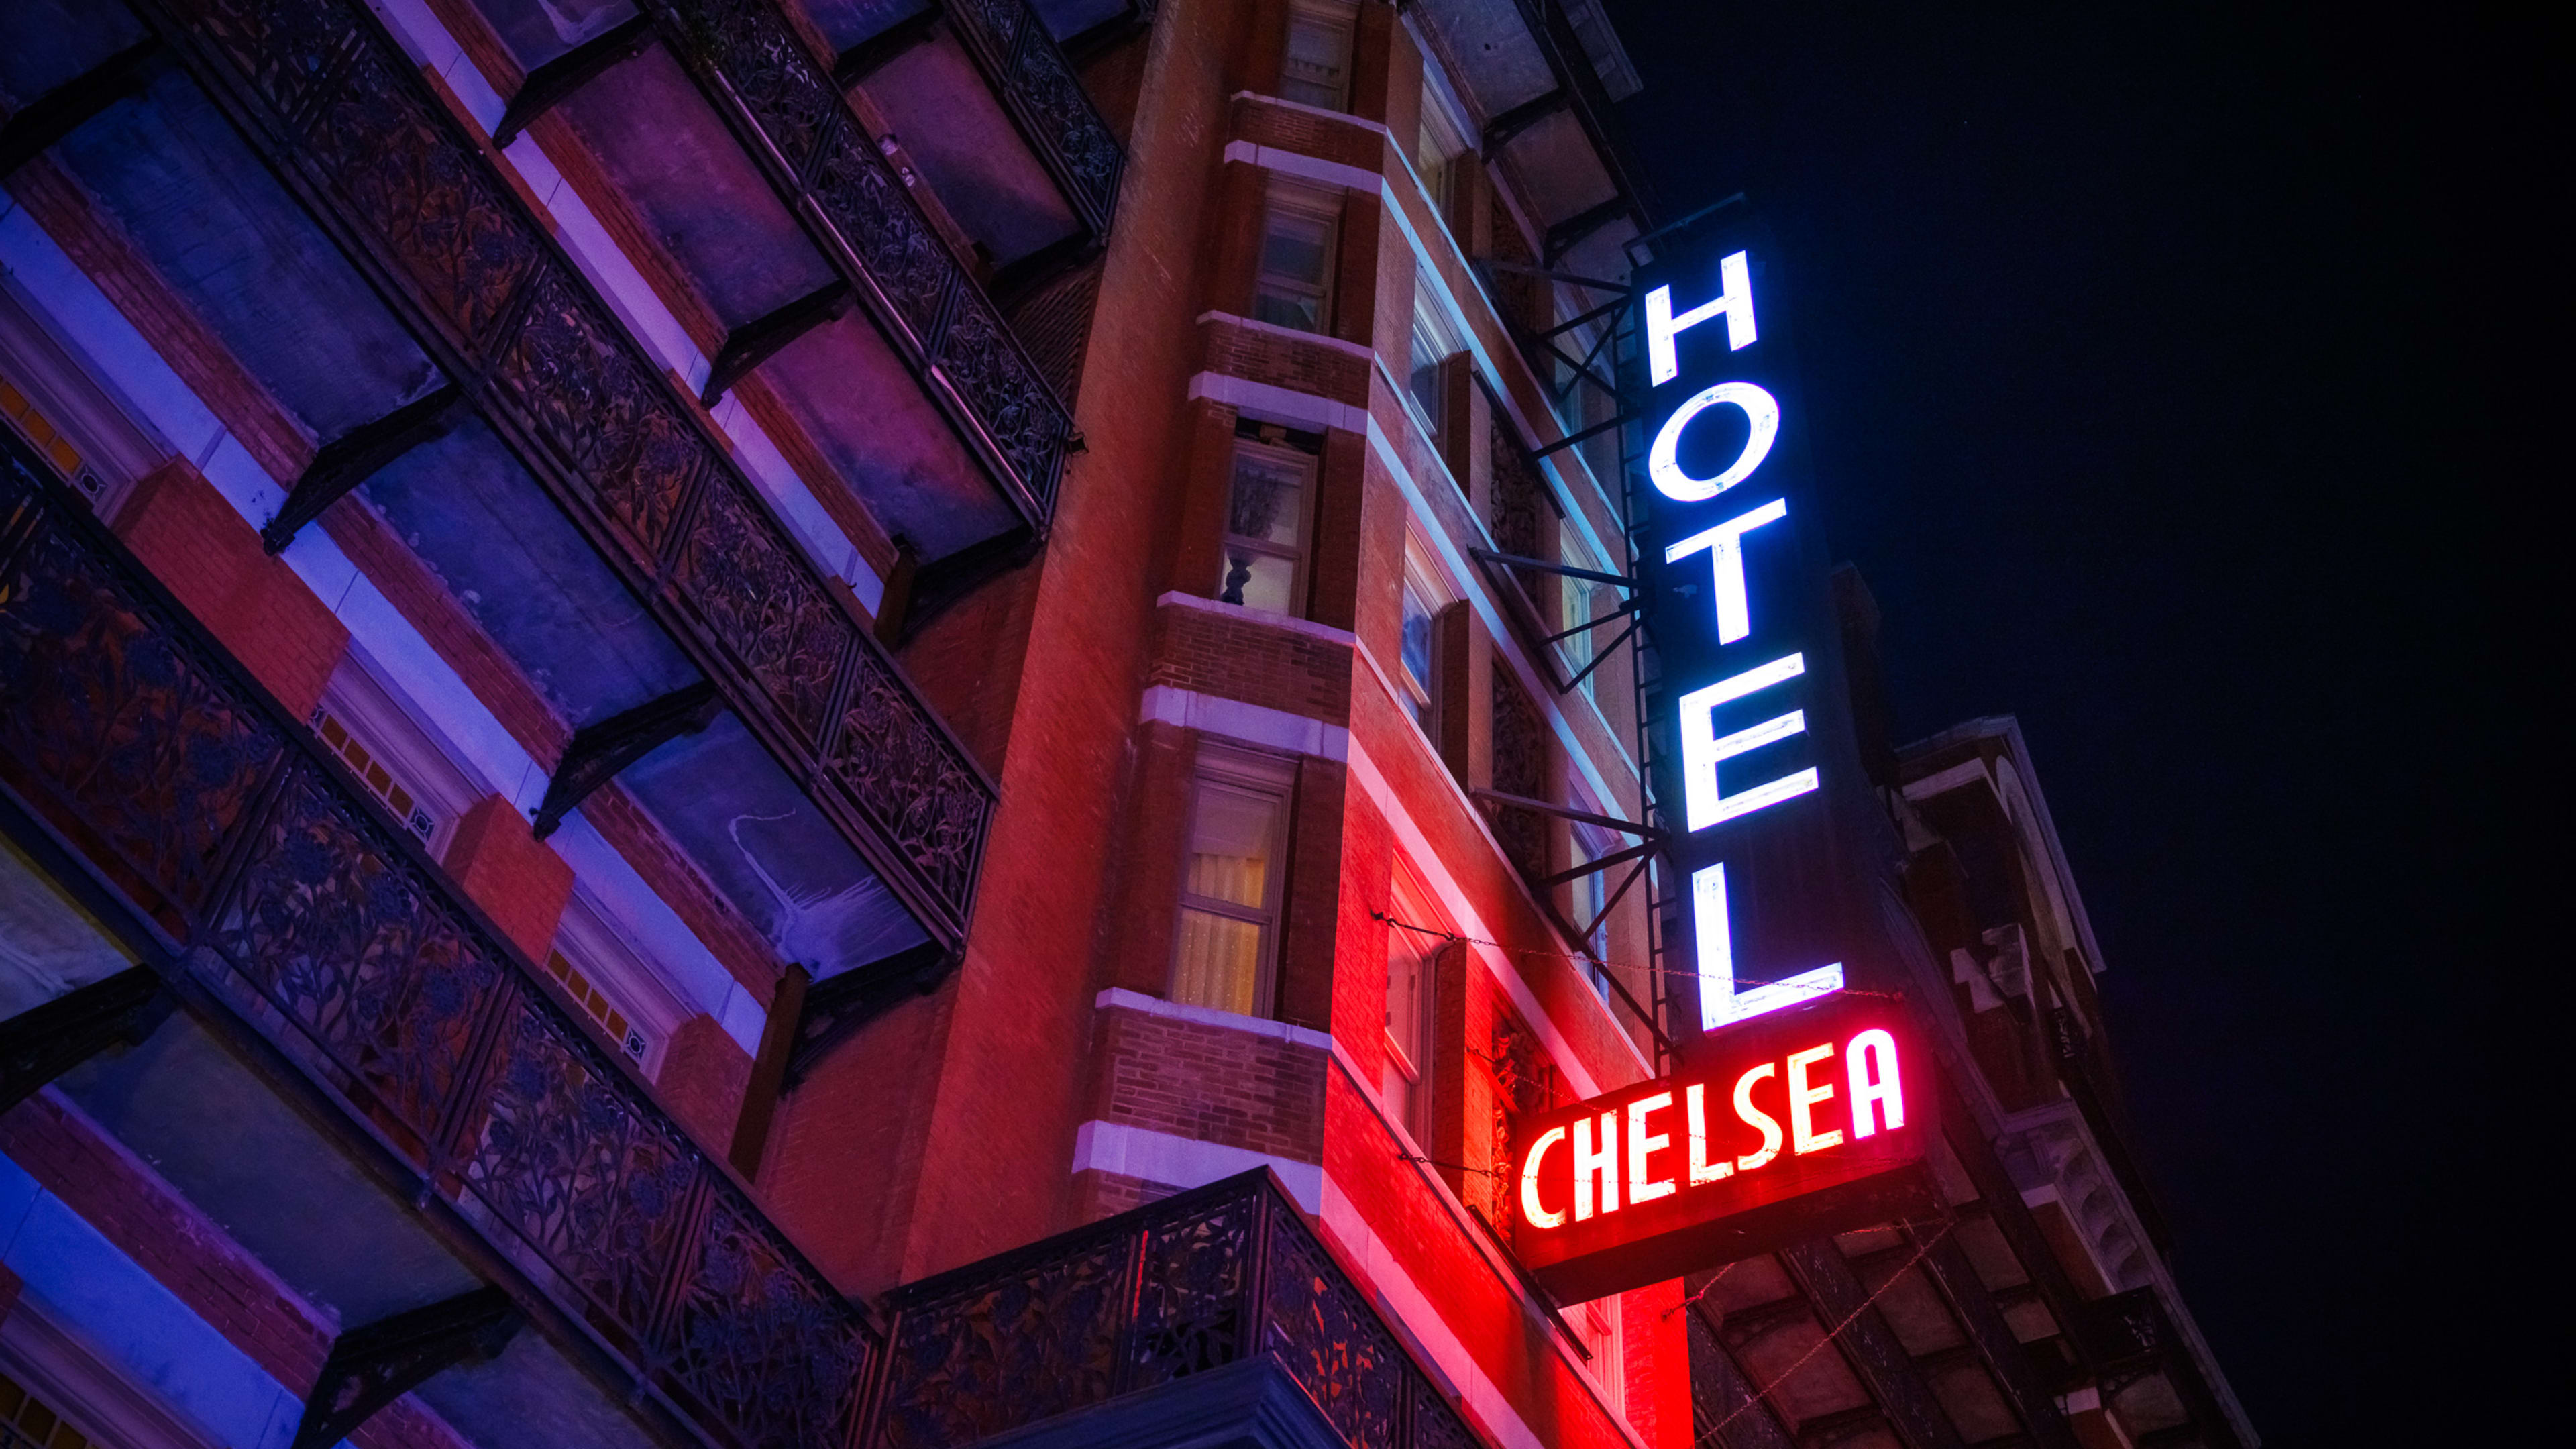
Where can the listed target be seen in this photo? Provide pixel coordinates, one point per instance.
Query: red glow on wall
(1797, 1123)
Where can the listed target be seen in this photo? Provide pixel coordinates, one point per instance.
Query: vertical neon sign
(1737, 598)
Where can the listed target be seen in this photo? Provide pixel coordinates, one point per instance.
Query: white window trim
(87, 1391)
(114, 450)
(1252, 773)
(372, 710)
(624, 974)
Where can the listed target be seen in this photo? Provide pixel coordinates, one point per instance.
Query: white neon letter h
(1734, 298)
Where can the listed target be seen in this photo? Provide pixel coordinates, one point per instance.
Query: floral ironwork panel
(585, 393)
(981, 356)
(766, 69)
(1437, 1425)
(763, 1342)
(430, 205)
(594, 1182)
(1520, 768)
(1190, 1313)
(341, 933)
(764, 606)
(113, 713)
(868, 209)
(1329, 1341)
(290, 50)
(909, 780)
(1027, 1345)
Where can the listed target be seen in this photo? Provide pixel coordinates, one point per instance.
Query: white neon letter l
(1719, 1002)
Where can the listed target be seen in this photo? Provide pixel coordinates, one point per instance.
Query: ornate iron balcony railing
(1209, 1277)
(1021, 62)
(800, 130)
(295, 906)
(319, 90)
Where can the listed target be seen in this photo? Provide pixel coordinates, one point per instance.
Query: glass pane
(1404, 981)
(1318, 53)
(1417, 640)
(1218, 963)
(1295, 311)
(1258, 580)
(1230, 846)
(1296, 248)
(1269, 500)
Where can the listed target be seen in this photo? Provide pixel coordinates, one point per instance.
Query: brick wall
(197, 545)
(1328, 138)
(1288, 360)
(1212, 1083)
(189, 1254)
(518, 881)
(1239, 657)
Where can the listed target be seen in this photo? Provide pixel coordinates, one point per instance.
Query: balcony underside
(579, 512)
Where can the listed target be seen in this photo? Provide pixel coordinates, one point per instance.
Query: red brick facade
(189, 1254)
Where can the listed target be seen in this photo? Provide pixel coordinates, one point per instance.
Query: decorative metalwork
(52, 1037)
(331, 101)
(795, 123)
(376, 1363)
(1520, 768)
(1193, 1282)
(314, 920)
(1022, 64)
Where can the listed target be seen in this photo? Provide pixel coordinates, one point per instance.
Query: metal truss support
(553, 83)
(756, 341)
(1568, 234)
(1587, 435)
(1523, 561)
(377, 1363)
(49, 1039)
(599, 751)
(838, 1007)
(1016, 282)
(1504, 127)
(928, 588)
(1499, 264)
(351, 459)
(881, 49)
(57, 113)
(1876, 1356)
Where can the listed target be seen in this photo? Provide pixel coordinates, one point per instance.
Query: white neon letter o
(1760, 410)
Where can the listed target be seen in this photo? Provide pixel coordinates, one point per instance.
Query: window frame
(1241, 773)
(1290, 201)
(1414, 1060)
(1342, 22)
(1298, 558)
(371, 712)
(589, 944)
(1421, 696)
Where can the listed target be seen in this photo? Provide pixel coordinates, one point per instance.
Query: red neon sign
(1800, 1122)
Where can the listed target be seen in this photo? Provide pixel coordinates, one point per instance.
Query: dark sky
(2153, 355)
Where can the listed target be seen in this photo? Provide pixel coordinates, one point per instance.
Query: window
(49, 399)
(28, 1422)
(360, 721)
(1296, 281)
(1420, 647)
(1317, 70)
(1597, 1324)
(612, 983)
(1408, 1025)
(372, 771)
(1436, 149)
(1591, 843)
(1230, 890)
(1265, 524)
(1434, 343)
(1580, 601)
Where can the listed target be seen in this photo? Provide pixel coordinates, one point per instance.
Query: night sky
(2152, 357)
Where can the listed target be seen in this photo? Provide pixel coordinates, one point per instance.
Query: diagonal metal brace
(553, 83)
(1568, 812)
(599, 751)
(1523, 561)
(377, 1363)
(836, 1008)
(49, 1039)
(57, 113)
(353, 458)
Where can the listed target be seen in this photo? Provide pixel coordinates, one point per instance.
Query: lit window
(375, 773)
(1295, 287)
(28, 1422)
(1230, 894)
(1408, 1020)
(1317, 70)
(591, 999)
(1265, 527)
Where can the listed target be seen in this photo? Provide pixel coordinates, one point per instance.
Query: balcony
(1091, 1337)
(308, 932)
